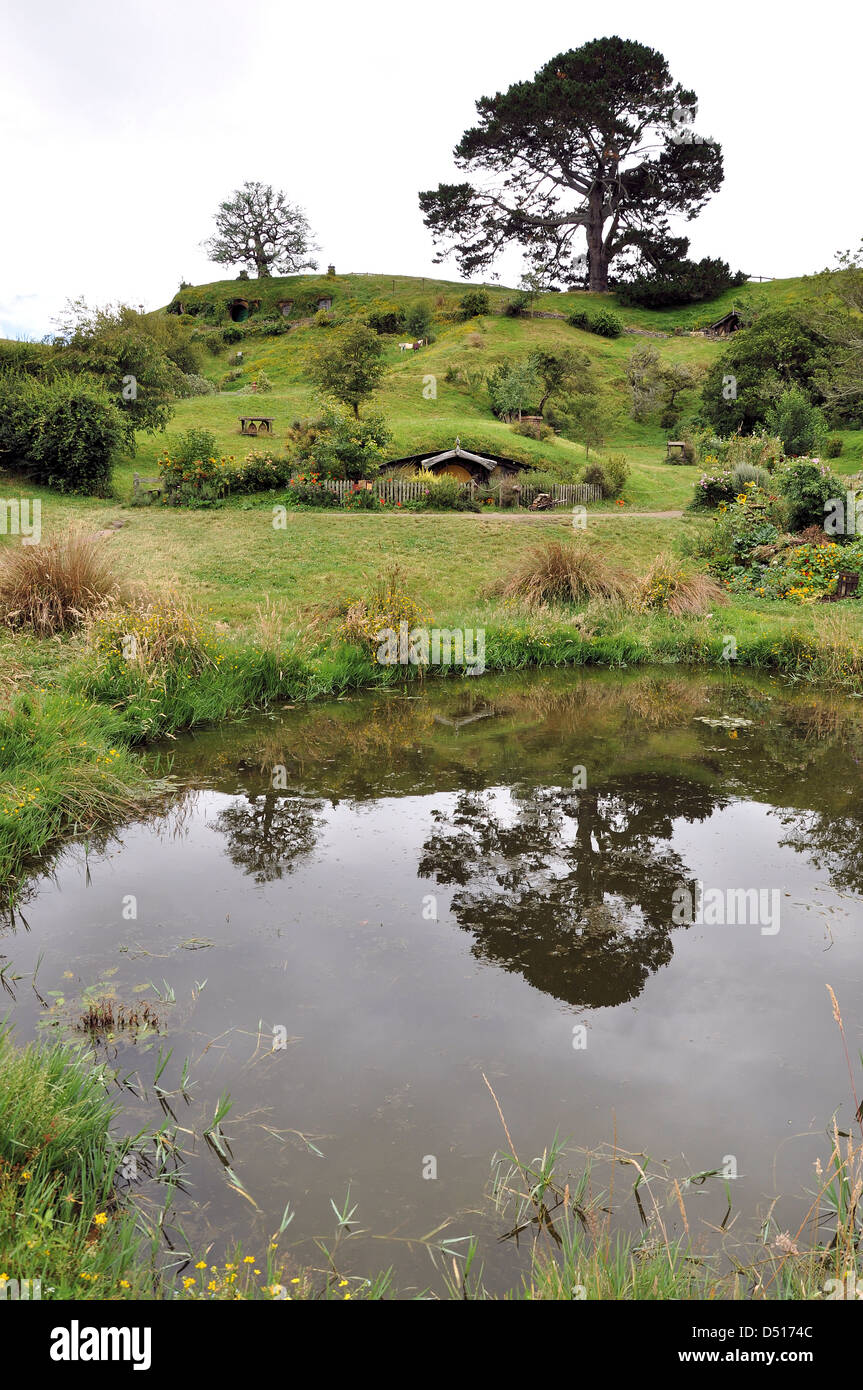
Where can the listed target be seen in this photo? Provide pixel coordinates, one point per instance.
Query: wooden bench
(256, 424)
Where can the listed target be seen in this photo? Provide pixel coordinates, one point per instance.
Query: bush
(807, 486)
(309, 492)
(235, 374)
(361, 498)
(743, 473)
(388, 605)
(418, 321)
(711, 490)
(685, 282)
(324, 319)
(604, 322)
(386, 318)
(194, 385)
(76, 431)
(616, 471)
(515, 307)
(231, 334)
(797, 422)
(261, 383)
(258, 472)
(832, 447)
(338, 445)
(474, 304)
(55, 586)
(564, 572)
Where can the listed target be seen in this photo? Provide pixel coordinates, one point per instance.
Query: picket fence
(408, 490)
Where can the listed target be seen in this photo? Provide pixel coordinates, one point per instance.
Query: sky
(123, 125)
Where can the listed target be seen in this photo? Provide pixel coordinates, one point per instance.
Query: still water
(347, 915)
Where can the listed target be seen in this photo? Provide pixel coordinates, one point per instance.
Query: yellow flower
(26, 1176)
(248, 1259)
(100, 1218)
(202, 1264)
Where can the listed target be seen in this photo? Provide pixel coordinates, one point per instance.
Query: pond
(348, 916)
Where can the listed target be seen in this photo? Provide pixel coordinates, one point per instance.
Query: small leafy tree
(798, 423)
(642, 379)
(258, 228)
(418, 320)
(589, 419)
(512, 387)
(113, 345)
(341, 446)
(568, 370)
(350, 368)
(473, 304)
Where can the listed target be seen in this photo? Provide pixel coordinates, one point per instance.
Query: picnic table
(256, 424)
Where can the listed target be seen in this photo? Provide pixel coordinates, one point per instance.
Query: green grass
(60, 1220)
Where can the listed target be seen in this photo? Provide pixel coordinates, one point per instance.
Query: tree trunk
(597, 257)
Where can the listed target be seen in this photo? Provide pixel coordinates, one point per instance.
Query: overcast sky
(125, 123)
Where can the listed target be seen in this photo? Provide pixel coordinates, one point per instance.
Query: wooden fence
(412, 490)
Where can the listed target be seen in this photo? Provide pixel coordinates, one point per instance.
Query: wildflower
(100, 1218)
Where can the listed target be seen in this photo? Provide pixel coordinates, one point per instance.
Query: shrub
(564, 572)
(194, 385)
(474, 304)
(797, 422)
(231, 334)
(712, 489)
(606, 323)
(743, 473)
(362, 498)
(258, 471)
(418, 320)
(153, 638)
(65, 430)
(386, 318)
(616, 473)
(595, 476)
(603, 322)
(515, 307)
(192, 471)
(684, 282)
(445, 493)
(338, 445)
(235, 374)
(672, 590)
(261, 383)
(309, 492)
(807, 486)
(193, 444)
(832, 447)
(54, 586)
(324, 319)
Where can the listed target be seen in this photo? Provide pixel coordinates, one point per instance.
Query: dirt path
(562, 514)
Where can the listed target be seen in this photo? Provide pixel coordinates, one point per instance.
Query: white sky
(124, 123)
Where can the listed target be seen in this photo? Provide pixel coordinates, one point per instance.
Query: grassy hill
(418, 423)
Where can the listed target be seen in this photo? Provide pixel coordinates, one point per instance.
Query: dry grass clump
(669, 589)
(565, 572)
(53, 587)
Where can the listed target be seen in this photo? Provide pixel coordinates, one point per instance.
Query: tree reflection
(269, 831)
(571, 889)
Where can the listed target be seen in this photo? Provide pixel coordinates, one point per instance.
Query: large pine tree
(602, 139)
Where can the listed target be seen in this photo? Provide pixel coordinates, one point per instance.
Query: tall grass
(60, 1220)
(53, 587)
(564, 572)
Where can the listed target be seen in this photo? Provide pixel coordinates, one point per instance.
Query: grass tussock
(668, 588)
(564, 572)
(55, 586)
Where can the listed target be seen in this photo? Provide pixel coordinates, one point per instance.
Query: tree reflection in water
(572, 889)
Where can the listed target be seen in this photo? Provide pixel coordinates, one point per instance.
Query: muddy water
(348, 914)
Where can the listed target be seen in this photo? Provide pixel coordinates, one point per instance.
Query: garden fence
(412, 490)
